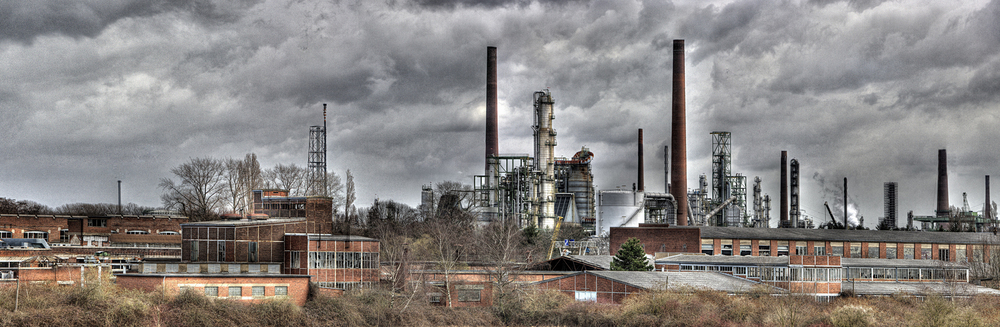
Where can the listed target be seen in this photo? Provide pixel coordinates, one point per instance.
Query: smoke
(833, 194)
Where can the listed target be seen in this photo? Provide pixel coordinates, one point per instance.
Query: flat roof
(328, 237)
(846, 235)
(269, 221)
(673, 280)
(917, 288)
(240, 275)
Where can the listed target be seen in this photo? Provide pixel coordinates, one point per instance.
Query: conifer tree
(631, 257)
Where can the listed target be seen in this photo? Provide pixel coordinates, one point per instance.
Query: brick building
(317, 210)
(729, 241)
(238, 241)
(248, 287)
(93, 231)
(334, 261)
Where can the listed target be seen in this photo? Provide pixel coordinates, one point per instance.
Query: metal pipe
(988, 210)
(678, 134)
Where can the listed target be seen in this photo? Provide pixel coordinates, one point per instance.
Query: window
(782, 248)
(434, 297)
(235, 291)
(295, 260)
(708, 247)
(745, 250)
(837, 249)
(252, 252)
(212, 291)
(977, 253)
(943, 254)
(727, 249)
(36, 234)
(960, 254)
(907, 251)
(819, 250)
(925, 251)
(137, 232)
(765, 250)
(194, 250)
(257, 291)
(221, 254)
(586, 296)
(890, 251)
(873, 251)
(468, 293)
(800, 249)
(281, 291)
(169, 232)
(6, 234)
(92, 222)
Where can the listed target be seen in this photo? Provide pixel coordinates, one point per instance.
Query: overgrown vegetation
(108, 305)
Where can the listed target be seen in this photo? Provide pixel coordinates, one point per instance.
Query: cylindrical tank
(614, 207)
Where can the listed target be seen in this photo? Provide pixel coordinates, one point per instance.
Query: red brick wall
(658, 239)
(608, 291)
(298, 287)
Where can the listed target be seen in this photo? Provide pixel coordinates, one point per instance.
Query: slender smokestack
(988, 210)
(120, 194)
(678, 138)
(942, 190)
(666, 169)
(783, 203)
(492, 142)
(641, 178)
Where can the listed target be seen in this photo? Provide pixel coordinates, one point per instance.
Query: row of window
(237, 291)
(837, 249)
(346, 285)
(836, 274)
(63, 236)
(339, 260)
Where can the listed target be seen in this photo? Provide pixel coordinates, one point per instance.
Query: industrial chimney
(492, 142)
(678, 137)
(943, 209)
(783, 203)
(641, 178)
(988, 210)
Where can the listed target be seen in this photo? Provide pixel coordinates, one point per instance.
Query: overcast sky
(98, 91)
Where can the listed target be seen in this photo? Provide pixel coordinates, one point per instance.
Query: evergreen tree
(631, 257)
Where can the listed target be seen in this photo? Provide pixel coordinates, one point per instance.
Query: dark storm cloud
(24, 20)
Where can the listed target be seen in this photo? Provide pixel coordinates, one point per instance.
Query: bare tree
(349, 198)
(200, 193)
(290, 177)
(392, 223)
(451, 239)
(499, 244)
(101, 209)
(335, 189)
(242, 177)
(25, 207)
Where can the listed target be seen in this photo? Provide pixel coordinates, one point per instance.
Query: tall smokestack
(492, 142)
(943, 208)
(642, 179)
(783, 203)
(988, 210)
(678, 137)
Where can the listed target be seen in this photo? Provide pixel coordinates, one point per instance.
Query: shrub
(852, 315)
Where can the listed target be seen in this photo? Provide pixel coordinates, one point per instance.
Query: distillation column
(545, 142)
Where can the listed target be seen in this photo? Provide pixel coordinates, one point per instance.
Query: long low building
(773, 242)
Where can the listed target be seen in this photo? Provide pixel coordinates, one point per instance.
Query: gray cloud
(95, 91)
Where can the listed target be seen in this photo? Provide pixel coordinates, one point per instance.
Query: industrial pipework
(783, 202)
(641, 180)
(678, 137)
(492, 138)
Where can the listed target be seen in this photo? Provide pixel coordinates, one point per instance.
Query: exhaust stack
(943, 209)
(678, 137)
(783, 202)
(988, 210)
(492, 139)
(642, 179)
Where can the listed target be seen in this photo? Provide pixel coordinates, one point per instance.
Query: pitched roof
(921, 288)
(675, 280)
